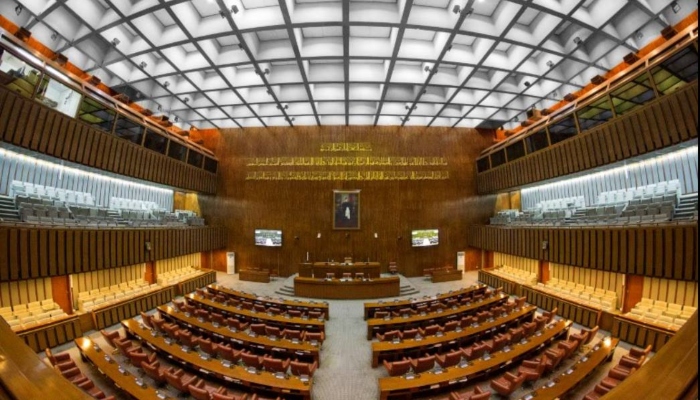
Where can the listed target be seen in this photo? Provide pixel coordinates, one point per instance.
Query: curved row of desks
(260, 344)
(380, 325)
(104, 363)
(390, 350)
(281, 321)
(371, 308)
(270, 302)
(400, 387)
(287, 387)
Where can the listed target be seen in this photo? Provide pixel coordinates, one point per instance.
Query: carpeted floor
(346, 372)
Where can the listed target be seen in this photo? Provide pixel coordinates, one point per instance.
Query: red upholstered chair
(317, 336)
(529, 328)
(423, 364)
(260, 308)
(218, 318)
(477, 394)
(190, 308)
(404, 311)
(201, 391)
(317, 314)
(221, 299)
(302, 368)
(247, 305)
(178, 305)
(138, 357)
(186, 338)
(550, 314)
(615, 376)
(639, 354)
(467, 321)
(199, 292)
(359, 275)
(482, 316)
(397, 368)
(201, 314)
(532, 370)
(207, 346)
(474, 351)
(628, 364)
(450, 326)
(516, 334)
(507, 384)
(380, 314)
(156, 372)
(273, 331)
(274, 310)
(295, 313)
(520, 302)
(429, 330)
(497, 343)
(422, 308)
(73, 375)
(258, 329)
(393, 269)
(569, 347)
(251, 360)
(63, 360)
(109, 337)
(146, 319)
(347, 275)
(508, 307)
(450, 359)
(554, 357)
(159, 324)
(226, 352)
(171, 330)
(497, 311)
(598, 392)
(226, 396)
(388, 336)
(540, 322)
(124, 345)
(330, 275)
(275, 364)
(236, 323)
(590, 335)
(292, 334)
(408, 334)
(90, 388)
(437, 306)
(180, 381)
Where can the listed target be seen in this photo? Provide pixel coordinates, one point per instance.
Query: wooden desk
(428, 381)
(320, 269)
(280, 321)
(565, 382)
(385, 350)
(347, 290)
(371, 308)
(268, 301)
(259, 344)
(24, 376)
(262, 380)
(110, 369)
(252, 275)
(446, 275)
(380, 325)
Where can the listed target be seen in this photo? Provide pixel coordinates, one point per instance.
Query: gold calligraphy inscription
(347, 175)
(343, 147)
(346, 162)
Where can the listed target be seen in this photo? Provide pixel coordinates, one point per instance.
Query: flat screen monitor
(268, 238)
(424, 238)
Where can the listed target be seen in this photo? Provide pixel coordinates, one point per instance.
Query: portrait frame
(346, 210)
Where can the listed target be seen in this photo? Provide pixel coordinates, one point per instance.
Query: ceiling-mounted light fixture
(177, 119)
(527, 83)
(675, 7)
(186, 100)
(143, 64)
(234, 9)
(550, 63)
(577, 40)
(115, 42)
(638, 35)
(222, 13)
(166, 84)
(54, 36)
(18, 9)
(457, 9)
(159, 108)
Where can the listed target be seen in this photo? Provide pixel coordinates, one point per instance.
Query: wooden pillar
(60, 289)
(634, 287)
(488, 257)
(151, 273)
(218, 261)
(543, 275)
(472, 259)
(206, 259)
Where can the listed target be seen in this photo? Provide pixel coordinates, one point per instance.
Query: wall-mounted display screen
(424, 238)
(268, 238)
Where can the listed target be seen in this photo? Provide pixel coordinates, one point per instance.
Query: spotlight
(186, 100)
(115, 42)
(221, 12)
(457, 9)
(54, 36)
(527, 83)
(638, 35)
(143, 64)
(18, 9)
(177, 119)
(159, 108)
(234, 9)
(166, 84)
(577, 40)
(550, 63)
(674, 6)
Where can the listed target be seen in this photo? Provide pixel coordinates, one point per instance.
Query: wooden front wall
(392, 209)
(667, 121)
(28, 124)
(657, 251)
(29, 253)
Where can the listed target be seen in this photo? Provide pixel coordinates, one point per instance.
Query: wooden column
(151, 273)
(488, 257)
(543, 275)
(218, 261)
(60, 287)
(634, 286)
(206, 259)
(472, 259)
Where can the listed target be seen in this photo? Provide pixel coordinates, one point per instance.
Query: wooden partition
(24, 292)
(578, 313)
(52, 335)
(664, 122)
(588, 277)
(111, 315)
(105, 278)
(671, 291)
(177, 263)
(495, 281)
(190, 285)
(34, 252)
(33, 126)
(640, 334)
(522, 263)
(667, 251)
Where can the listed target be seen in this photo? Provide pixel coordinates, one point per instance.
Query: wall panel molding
(62, 137)
(666, 121)
(636, 251)
(74, 251)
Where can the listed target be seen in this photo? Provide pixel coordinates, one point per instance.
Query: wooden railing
(36, 252)
(663, 251)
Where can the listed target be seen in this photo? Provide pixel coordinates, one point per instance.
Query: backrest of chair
(250, 359)
(591, 334)
(273, 364)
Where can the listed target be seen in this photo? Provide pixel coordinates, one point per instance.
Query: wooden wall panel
(668, 251)
(392, 209)
(526, 264)
(33, 126)
(34, 252)
(177, 263)
(23, 292)
(671, 291)
(666, 121)
(595, 278)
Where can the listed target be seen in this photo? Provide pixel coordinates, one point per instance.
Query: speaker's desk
(347, 290)
(321, 269)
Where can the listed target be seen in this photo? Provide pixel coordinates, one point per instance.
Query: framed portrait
(346, 209)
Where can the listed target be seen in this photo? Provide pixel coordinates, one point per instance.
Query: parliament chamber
(349, 200)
